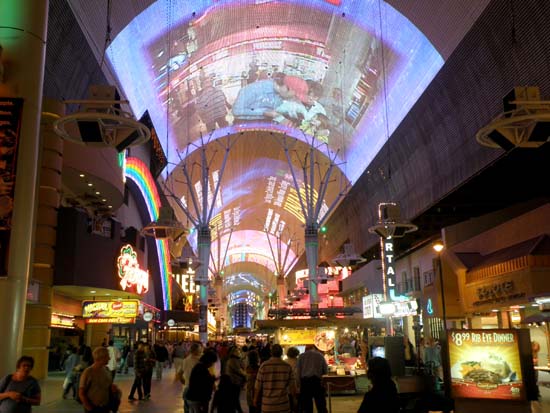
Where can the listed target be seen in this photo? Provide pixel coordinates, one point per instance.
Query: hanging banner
(10, 126)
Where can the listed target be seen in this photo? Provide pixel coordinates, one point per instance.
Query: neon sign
(388, 266)
(429, 307)
(129, 272)
(187, 282)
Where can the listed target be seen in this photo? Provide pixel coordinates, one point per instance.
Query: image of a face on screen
(310, 68)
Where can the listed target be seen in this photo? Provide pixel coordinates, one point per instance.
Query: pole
(23, 26)
(443, 307)
(204, 243)
(312, 252)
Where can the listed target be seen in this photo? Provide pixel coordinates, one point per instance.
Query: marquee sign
(62, 321)
(131, 276)
(119, 312)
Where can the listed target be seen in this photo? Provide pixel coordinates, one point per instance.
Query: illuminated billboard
(117, 312)
(308, 68)
(485, 364)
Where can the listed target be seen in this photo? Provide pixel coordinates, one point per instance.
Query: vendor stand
(329, 335)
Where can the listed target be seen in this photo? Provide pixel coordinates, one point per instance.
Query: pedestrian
(139, 370)
(201, 384)
(189, 362)
(123, 368)
(70, 374)
(85, 360)
(150, 361)
(253, 365)
(234, 369)
(224, 400)
(96, 390)
(179, 355)
(20, 391)
(311, 367)
(114, 357)
(292, 358)
(161, 354)
(274, 386)
(170, 350)
(383, 395)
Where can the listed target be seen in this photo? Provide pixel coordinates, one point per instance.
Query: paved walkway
(165, 397)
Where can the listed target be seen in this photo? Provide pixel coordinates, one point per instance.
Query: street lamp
(438, 247)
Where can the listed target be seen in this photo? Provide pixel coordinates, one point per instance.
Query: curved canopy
(270, 76)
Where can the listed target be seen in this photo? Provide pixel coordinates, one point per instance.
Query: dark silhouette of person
(383, 395)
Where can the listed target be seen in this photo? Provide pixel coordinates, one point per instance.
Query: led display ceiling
(307, 68)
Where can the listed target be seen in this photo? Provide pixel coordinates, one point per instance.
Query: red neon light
(129, 272)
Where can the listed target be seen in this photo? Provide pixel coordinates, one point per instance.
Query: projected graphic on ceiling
(310, 69)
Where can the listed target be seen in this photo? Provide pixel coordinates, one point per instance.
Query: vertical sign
(388, 267)
(10, 125)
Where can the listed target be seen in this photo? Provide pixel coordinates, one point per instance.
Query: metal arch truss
(281, 262)
(201, 210)
(311, 200)
(311, 167)
(517, 126)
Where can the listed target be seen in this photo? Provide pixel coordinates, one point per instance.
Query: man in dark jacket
(201, 384)
(161, 354)
(139, 369)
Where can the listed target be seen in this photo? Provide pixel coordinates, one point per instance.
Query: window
(428, 277)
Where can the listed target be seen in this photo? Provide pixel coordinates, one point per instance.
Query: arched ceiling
(366, 62)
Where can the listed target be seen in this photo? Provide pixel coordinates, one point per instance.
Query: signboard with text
(10, 125)
(485, 364)
(118, 312)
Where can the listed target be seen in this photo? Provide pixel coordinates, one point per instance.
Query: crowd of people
(213, 378)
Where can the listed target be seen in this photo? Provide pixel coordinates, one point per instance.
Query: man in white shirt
(114, 357)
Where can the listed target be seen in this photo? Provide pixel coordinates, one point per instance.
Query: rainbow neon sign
(139, 173)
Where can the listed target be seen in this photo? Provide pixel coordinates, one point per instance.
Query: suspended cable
(107, 33)
(385, 90)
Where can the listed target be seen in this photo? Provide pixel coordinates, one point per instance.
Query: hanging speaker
(90, 131)
(499, 139)
(540, 133)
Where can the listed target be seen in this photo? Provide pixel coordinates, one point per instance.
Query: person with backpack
(20, 391)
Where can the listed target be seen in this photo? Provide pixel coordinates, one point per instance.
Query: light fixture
(494, 310)
(390, 223)
(107, 293)
(387, 308)
(97, 193)
(104, 200)
(110, 206)
(166, 226)
(82, 175)
(90, 184)
(438, 247)
(93, 292)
